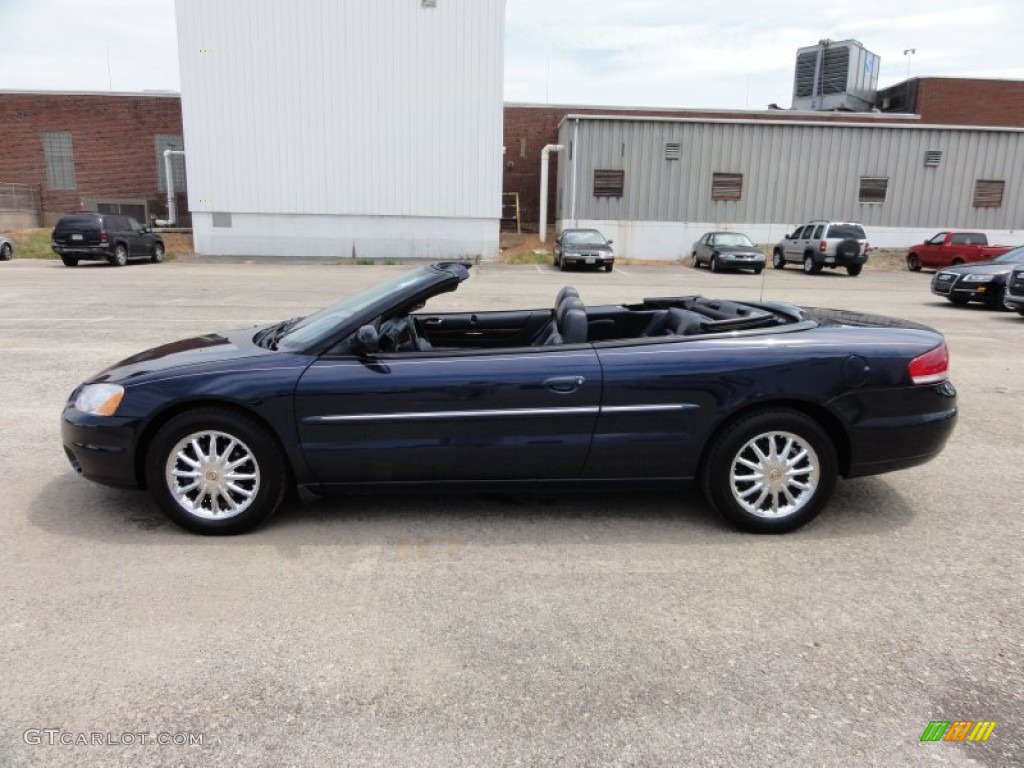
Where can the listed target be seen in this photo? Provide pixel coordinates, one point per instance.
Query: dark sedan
(727, 250)
(583, 247)
(764, 404)
(983, 282)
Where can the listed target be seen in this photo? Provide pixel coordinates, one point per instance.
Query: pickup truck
(951, 249)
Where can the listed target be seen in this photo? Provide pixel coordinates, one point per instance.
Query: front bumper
(740, 261)
(101, 448)
(960, 289)
(576, 259)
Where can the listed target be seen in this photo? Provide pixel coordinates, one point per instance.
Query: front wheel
(810, 268)
(713, 264)
(998, 302)
(958, 300)
(778, 260)
(6, 252)
(216, 472)
(158, 253)
(913, 263)
(770, 472)
(854, 269)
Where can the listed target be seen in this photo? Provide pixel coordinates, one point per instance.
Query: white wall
(354, 110)
(669, 241)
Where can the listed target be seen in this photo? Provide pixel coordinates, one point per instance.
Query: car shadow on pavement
(70, 506)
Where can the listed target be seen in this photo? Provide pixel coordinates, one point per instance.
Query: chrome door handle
(565, 384)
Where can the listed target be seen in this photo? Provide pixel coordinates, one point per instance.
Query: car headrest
(567, 290)
(683, 322)
(574, 326)
(569, 302)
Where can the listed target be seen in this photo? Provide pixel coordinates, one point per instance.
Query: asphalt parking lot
(593, 629)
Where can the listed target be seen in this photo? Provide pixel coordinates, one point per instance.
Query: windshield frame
(320, 330)
(1016, 256)
(732, 235)
(571, 237)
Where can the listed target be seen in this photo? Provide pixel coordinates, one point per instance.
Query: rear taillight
(931, 367)
(822, 246)
(103, 235)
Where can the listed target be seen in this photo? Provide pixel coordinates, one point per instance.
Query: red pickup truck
(950, 248)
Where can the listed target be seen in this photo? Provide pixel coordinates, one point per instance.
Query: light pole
(908, 53)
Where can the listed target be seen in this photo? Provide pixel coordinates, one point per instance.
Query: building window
(932, 158)
(726, 186)
(60, 160)
(609, 183)
(988, 193)
(162, 141)
(873, 189)
(673, 151)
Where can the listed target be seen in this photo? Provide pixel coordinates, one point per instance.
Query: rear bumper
(82, 251)
(839, 261)
(101, 448)
(896, 429)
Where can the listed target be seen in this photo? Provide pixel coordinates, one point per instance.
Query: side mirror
(366, 340)
(610, 242)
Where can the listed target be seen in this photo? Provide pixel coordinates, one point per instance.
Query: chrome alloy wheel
(212, 475)
(774, 475)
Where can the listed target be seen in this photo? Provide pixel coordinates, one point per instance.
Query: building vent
(988, 193)
(932, 158)
(726, 186)
(429, 3)
(609, 183)
(673, 151)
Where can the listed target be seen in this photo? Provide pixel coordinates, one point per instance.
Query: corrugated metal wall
(791, 173)
(361, 107)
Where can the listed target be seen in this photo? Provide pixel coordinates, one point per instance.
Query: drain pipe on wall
(545, 154)
(172, 206)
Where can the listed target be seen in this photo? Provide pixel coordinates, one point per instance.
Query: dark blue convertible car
(764, 404)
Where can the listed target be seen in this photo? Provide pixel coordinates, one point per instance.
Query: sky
(656, 53)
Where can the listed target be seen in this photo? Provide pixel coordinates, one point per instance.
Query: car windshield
(732, 238)
(584, 237)
(313, 327)
(855, 231)
(1016, 256)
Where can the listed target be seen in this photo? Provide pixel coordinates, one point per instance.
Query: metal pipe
(172, 205)
(542, 228)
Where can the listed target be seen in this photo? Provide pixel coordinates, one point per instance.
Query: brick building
(92, 151)
(957, 101)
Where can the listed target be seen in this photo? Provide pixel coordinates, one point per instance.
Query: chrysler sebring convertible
(763, 404)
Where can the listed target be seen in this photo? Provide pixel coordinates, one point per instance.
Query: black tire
(913, 263)
(778, 260)
(854, 269)
(695, 263)
(713, 264)
(759, 270)
(69, 261)
(220, 428)
(158, 253)
(810, 268)
(608, 267)
(789, 431)
(562, 265)
(998, 301)
(6, 252)
(119, 257)
(957, 262)
(1020, 312)
(555, 261)
(958, 300)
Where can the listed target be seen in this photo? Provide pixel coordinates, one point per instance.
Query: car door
(526, 413)
(138, 241)
(700, 249)
(794, 247)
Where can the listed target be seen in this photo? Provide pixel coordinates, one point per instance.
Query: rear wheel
(771, 471)
(957, 262)
(6, 252)
(778, 260)
(810, 268)
(69, 261)
(854, 269)
(119, 257)
(216, 472)
(913, 263)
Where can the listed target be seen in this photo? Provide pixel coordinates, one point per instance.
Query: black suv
(104, 237)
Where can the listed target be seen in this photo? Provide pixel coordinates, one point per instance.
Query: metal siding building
(791, 173)
(358, 128)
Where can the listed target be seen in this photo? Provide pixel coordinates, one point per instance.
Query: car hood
(737, 249)
(982, 268)
(211, 348)
(573, 248)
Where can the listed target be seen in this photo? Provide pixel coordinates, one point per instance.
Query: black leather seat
(683, 322)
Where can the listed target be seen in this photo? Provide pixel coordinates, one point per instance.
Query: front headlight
(99, 399)
(978, 279)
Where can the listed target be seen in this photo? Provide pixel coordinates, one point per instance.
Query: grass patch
(524, 257)
(32, 244)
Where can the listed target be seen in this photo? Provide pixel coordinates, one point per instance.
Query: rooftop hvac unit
(835, 75)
